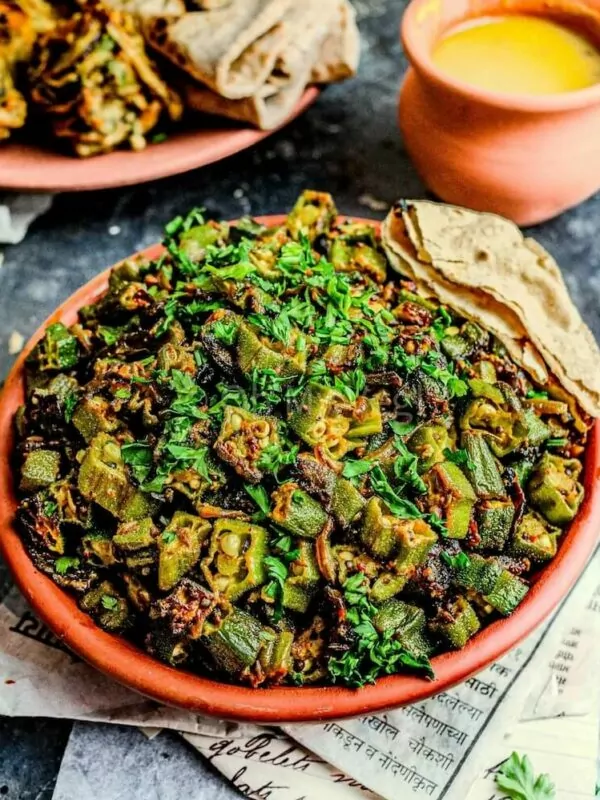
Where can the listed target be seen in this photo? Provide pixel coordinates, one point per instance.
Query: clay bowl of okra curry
(234, 480)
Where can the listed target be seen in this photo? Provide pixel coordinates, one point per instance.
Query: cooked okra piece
(40, 470)
(386, 535)
(451, 493)
(276, 654)
(482, 470)
(341, 498)
(346, 501)
(93, 415)
(366, 418)
(235, 643)
(387, 585)
(99, 549)
(377, 530)
(414, 538)
(234, 563)
(253, 352)
(497, 415)
(494, 584)
(554, 489)
(321, 416)
(137, 535)
(456, 623)
(173, 650)
(242, 440)
(537, 430)
(179, 548)
(464, 343)
(534, 538)
(296, 511)
(485, 371)
(355, 249)
(195, 241)
(313, 215)
(106, 606)
(57, 350)
(138, 595)
(507, 593)
(302, 580)
(173, 356)
(494, 522)
(103, 479)
(408, 625)
(428, 442)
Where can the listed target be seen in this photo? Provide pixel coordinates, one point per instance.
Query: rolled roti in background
(232, 50)
(306, 27)
(340, 52)
(146, 10)
(474, 261)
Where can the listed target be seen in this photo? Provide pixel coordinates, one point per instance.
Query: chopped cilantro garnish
(63, 564)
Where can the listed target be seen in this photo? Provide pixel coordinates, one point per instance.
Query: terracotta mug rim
(419, 57)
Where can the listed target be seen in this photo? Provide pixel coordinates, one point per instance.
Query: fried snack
(17, 34)
(92, 78)
(484, 259)
(13, 109)
(20, 23)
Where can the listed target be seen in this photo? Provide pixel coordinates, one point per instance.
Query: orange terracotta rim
(418, 51)
(134, 668)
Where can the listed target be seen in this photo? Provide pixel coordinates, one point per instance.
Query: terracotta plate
(127, 664)
(28, 167)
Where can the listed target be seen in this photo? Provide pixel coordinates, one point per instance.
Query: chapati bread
(340, 53)
(470, 304)
(231, 50)
(486, 256)
(307, 25)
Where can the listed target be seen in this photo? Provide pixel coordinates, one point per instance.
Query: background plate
(28, 167)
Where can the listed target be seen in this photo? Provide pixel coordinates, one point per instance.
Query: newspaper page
(435, 748)
(268, 764)
(560, 721)
(39, 677)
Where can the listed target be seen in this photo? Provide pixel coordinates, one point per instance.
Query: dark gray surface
(348, 143)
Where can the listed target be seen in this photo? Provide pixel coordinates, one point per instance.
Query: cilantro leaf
(399, 506)
(518, 781)
(260, 497)
(353, 468)
(460, 560)
(459, 457)
(63, 564)
(274, 457)
(108, 602)
(138, 456)
(373, 653)
(70, 402)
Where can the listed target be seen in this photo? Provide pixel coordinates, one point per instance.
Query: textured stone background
(348, 144)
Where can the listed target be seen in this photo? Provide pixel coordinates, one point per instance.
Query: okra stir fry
(264, 458)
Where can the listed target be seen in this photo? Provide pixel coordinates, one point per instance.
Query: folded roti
(307, 26)
(470, 304)
(467, 251)
(231, 50)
